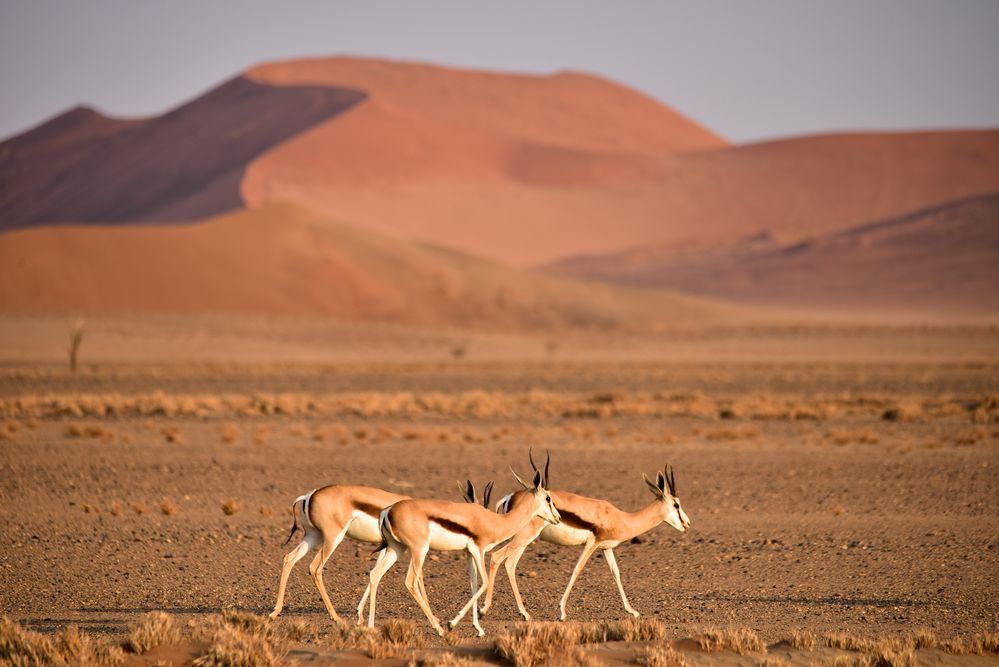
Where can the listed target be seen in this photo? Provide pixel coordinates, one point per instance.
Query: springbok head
(468, 493)
(543, 499)
(664, 489)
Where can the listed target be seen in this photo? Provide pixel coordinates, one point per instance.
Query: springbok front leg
(612, 564)
(510, 556)
(588, 549)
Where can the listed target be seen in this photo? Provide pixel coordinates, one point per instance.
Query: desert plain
(839, 479)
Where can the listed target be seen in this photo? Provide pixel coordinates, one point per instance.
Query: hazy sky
(746, 69)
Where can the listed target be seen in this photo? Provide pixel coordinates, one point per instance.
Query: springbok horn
(652, 486)
(486, 494)
(548, 460)
(530, 456)
(522, 482)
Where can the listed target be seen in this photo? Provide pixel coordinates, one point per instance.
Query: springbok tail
(300, 505)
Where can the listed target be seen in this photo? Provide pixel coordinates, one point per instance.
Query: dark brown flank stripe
(370, 510)
(451, 525)
(575, 521)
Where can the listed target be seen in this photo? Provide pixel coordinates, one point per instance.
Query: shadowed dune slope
(185, 164)
(941, 261)
(282, 260)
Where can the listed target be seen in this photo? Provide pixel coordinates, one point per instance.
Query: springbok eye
(676, 505)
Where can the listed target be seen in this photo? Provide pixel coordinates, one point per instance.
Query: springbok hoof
(273, 615)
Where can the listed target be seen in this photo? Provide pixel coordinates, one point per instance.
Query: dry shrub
(907, 411)
(443, 659)
(19, 646)
(662, 656)
(11, 426)
(729, 434)
(391, 639)
(980, 644)
(116, 508)
(168, 507)
(867, 437)
(231, 506)
(529, 644)
(923, 638)
(139, 508)
(233, 646)
(92, 431)
(89, 509)
(298, 430)
(230, 432)
(970, 437)
(541, 643)
(803, 640)
(772, 661)
(266, 510)
(260, 435)
(154, 629)
(172, 434)
(848, 642)
(737, 640)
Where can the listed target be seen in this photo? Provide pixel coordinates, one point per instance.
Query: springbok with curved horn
(595, 524)
(421, 525)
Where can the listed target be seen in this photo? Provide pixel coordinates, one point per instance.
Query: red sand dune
(282, 260)
(942, 261)
(527, 170)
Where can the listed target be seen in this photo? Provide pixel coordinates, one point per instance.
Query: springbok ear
(521, 481)
(537, 480)
(652, 487)
(661, 482)
(486, 493)
(467, 492)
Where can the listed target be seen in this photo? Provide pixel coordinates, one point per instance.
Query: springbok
(421, 525)
(595, 524)
(327, 515)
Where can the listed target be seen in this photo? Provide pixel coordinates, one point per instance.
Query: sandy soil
(847, 522)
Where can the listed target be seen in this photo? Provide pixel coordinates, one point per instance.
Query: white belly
(442, 539)
(364, 528)
(564, 535)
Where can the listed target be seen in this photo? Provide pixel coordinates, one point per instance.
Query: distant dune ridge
(378, 190)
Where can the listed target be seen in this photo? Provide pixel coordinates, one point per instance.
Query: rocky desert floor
(836, 493)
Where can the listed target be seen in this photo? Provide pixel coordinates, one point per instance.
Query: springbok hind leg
(588, 550)
(316, 570)
(292, 557)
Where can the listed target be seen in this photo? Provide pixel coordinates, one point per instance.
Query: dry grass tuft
(19, 646)
(662, 656)
(772, 661)
(168, 507)
(803, 640)
(907, 411)
(116, 508)
(231, 506)
(530, 644)
(139, 508)
(230, 432)
(172, 434)
(866, 437)
(390, 640)
(923, 638)
(541, 643)
(154, 629)
(266, 510)
(737, 640)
